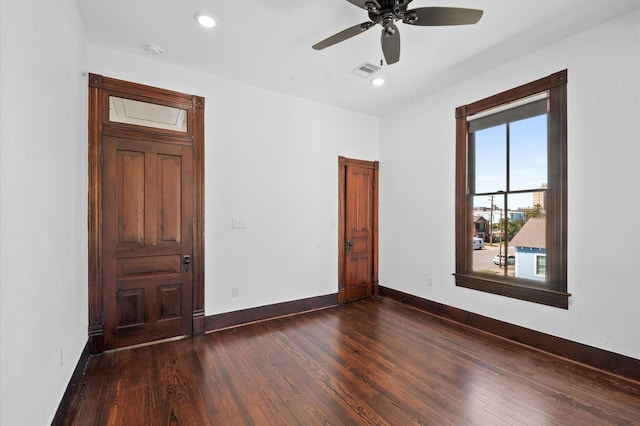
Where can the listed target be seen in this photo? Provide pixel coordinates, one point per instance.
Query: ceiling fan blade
(343, 35)
(390, 40)
(437, 16)
(362, 3)
(359, 3)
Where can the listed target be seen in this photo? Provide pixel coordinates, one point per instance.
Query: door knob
(186, 261)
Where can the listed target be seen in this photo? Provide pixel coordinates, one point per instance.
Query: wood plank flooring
(373, 362)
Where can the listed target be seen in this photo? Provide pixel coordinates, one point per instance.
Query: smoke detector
(153, 49)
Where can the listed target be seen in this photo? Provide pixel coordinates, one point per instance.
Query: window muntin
(525, 154)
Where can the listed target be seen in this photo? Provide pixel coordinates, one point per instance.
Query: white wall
(272, 160)
(43, 206)
(417, 226)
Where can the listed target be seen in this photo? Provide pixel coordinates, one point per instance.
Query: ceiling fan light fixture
(205, 20)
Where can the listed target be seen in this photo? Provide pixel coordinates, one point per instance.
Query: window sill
(530, 293)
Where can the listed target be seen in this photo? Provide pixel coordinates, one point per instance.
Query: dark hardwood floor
(375, 361)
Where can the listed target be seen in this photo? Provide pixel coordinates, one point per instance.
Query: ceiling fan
(387, 12)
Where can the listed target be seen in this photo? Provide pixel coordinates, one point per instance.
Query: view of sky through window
(527, 161)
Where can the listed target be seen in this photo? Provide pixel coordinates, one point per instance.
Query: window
(540, 265)
(511, 178)
(130, 111)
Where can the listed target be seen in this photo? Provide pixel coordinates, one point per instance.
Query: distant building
(513, 215)
(516, 215)
(540, 198)
(531, 249)
(481, 228)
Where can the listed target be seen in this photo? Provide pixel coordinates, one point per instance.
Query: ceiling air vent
(365, 70)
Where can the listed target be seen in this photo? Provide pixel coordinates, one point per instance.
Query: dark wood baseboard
(198, 323)
(611, 362)
(246, 316)
(77, 379)
(96, 340)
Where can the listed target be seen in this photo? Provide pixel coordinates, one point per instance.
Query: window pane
(528, 153)
(129, 111)
(487, 234)
(490, 159)
(527, 230)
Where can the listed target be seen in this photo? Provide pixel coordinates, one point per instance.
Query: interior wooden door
(147, 211)
(358, 229)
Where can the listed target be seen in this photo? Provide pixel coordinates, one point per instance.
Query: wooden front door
(146, 225)
(358, 263)
(147, 212)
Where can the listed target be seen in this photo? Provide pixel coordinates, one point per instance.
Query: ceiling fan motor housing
(386, 12)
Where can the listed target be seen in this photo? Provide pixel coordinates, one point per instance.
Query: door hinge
(374, 183)
(101, 159)
(102, 321)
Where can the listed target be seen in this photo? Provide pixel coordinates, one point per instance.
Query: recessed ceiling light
(378, 81)
(205, 20)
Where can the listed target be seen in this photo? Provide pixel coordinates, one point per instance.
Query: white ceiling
(267, 43)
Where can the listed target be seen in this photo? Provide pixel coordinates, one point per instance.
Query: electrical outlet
(430, 281)
(235, 292)
(238, 223)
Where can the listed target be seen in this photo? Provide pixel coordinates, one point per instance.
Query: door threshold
(142, 345)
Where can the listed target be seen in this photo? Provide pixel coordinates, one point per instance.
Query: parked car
(499, 259)
(478, 243)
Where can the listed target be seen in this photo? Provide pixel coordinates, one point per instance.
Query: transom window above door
(130, 111)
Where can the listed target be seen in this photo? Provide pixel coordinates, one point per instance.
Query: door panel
(169, 204)
(359, 205)
(147, 230)
(130, 203)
